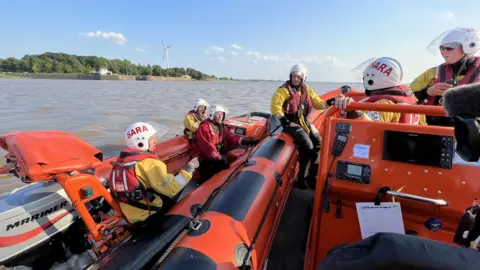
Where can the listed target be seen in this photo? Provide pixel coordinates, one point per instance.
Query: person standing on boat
(195, 117)
(291, 103)
(211, 141)
(382, 79)
(457, 47)
(139, 180)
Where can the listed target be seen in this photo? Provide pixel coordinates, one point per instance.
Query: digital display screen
(354, 170)
(418, 148)
(342, 138)
(240, 131)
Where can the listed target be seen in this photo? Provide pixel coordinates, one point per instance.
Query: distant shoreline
(94, 76)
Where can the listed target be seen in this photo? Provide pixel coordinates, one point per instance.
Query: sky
(241, 39)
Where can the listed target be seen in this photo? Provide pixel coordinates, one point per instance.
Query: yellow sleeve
(190, 123)
(153, 173)
(278, 98)
(423, 81)
(317, 102)
(387, 117)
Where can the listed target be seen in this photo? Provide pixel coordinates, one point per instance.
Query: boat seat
(410, 252)
(235, 154)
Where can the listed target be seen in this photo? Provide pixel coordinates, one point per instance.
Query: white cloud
(117, 38)
(288, 59)
(234, 53)
(215, 49)
(140, 50)
(236, 47)
(448, 16)
(256, 54)
(218, 58)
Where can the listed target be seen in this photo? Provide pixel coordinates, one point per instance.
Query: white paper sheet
(361, 150)
(386, 217)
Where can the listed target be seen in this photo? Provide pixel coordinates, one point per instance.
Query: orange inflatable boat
(72, 175)
(228, 221)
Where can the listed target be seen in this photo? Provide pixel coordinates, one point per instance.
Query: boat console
(253, 125)
(368, 161)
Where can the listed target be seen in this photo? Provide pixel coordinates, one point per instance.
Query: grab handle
(438, 202)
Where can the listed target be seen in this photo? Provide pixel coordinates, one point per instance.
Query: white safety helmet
(200, 102)
(299, 68)
(469, 38)
(217, 108)
(138, 134)
(383, 72)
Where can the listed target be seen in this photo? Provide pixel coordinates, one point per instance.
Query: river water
(100, 111)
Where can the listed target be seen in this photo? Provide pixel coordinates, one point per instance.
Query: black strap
(380, 194)
(129, 154)
(442, 73)
(144, 206)
(474, 75)
(391, 92)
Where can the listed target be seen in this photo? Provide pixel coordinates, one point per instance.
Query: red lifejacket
(218, 133)
(445, 72)
(123, 183)
(400, 95)
(296, 102)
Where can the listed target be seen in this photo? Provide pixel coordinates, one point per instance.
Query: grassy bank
(9, 76)
(69, 76)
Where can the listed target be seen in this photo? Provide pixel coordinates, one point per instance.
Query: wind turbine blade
(163, 44)
(169, 46)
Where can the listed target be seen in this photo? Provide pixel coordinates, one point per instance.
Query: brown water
(100, 111)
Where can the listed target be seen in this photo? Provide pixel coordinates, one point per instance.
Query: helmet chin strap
(463, 61)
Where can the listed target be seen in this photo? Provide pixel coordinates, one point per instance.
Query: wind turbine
(165, 54)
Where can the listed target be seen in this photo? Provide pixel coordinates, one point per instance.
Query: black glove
(284, 121)
(247, 141)
(223, 163)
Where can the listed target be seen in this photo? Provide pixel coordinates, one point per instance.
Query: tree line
(68, 63)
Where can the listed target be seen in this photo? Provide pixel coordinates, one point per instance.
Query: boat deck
(288, 248)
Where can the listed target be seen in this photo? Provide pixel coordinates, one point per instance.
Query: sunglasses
(450, 46)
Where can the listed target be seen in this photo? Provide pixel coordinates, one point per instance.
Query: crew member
(457, 47)
(195, 117)
(291, 103)
(382, 80)
(139, 180)
(212, 139)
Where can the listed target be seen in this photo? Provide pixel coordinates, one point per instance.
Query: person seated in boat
(291, 103)
(460, 66)
(139, 180)
(195, 117)
(211, 141)
(382, 80)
